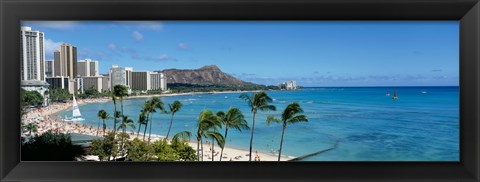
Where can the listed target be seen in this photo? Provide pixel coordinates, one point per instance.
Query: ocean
(363, 122)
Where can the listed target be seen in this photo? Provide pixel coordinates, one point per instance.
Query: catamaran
(76, 115)
(394, 95)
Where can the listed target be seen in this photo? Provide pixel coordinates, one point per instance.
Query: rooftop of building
(33, 83)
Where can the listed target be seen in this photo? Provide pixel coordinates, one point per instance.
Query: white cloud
(183, 46)
(137, 36)
(112, 46)
(163, 57)
(50, 47)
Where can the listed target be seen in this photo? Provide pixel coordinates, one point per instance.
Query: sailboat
(76, 115)
(388, 93)
(394, 95)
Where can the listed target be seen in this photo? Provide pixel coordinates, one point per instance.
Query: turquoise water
(422, 125)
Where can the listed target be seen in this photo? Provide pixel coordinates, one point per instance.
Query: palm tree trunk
(139, 126)
(226, 132)
(198, 149)
(121, 104)
(251, 137)
(201, 144)
(150, 132)
(145, 131)
(281, 142)
(213, 145)
(114, 120)
(98, 128)
(171, 121)
(104, 127)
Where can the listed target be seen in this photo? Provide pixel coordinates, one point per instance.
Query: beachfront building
(61, 82)
(49, 68)
(39, 86)
(75, 86)
(128, 76)
(58, 82)
(141, 80)
(119, 76)
(105, 83)
(95, 82)
(158, 81)
(87, 67)
(65, 61)
(289, 85)
(32, 54)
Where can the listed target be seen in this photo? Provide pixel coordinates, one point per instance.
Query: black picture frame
(466, 11)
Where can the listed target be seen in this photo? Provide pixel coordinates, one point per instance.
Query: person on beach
(257, 158)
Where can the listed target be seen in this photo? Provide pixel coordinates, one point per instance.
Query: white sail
(75, 111)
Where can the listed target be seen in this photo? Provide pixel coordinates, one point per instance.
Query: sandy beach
(185, 93)
(47, 118)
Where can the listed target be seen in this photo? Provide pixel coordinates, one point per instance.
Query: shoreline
(188, 93)
(48, 118)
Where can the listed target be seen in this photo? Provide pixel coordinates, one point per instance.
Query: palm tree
(99, 114)
(291, 114)
(142, 120)
(174, 107)
(114, 99)
(160, 106)
(116, 115)
(258, 101)
(120, 91)
(102, 114)
(206, 121)
(151, 106)
(233, 118)
(126, 122)
(146, 109)
(215, 136)
(182, 135)
(31, 128)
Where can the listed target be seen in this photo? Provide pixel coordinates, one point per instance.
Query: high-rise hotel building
(158, 81)
(120, 76)
(32, 56)
(87, 67)
(141, 80)
(65, 61)
(49, 68)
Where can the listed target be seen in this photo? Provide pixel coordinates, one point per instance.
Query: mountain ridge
(206, 75)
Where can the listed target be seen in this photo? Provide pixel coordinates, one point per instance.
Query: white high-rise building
(32, 50)
(95, 82)
(120, 76)
(158, 81)
(87, 67)
(117, 76)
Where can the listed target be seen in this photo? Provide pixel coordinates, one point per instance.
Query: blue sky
(314, 53)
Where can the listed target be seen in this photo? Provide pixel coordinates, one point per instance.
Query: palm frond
(298, 118)
(267, 108)
(182, 135)
(247, 98)
(291, 110)
(217, 137)
(271, 118)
